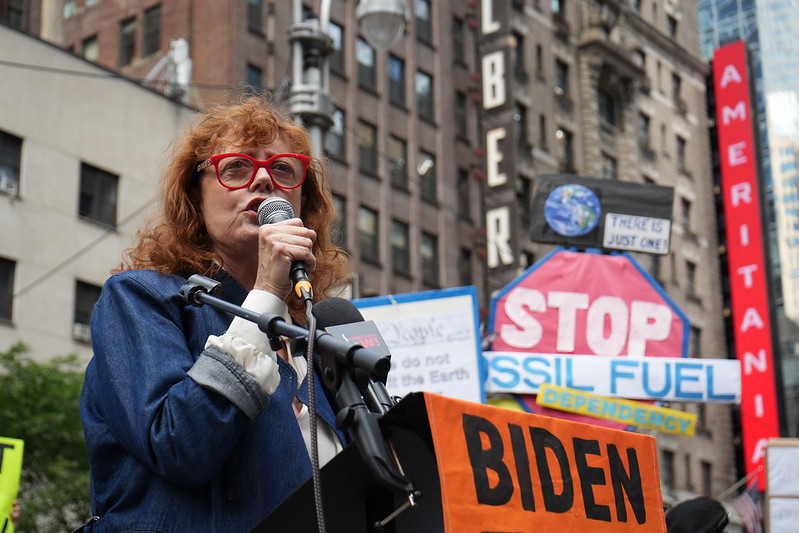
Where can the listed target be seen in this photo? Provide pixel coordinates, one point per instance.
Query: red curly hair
(177, 242)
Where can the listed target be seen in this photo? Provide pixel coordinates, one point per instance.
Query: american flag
(747, 505)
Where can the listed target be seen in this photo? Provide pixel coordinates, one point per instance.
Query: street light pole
(309, 100)
(383, 23)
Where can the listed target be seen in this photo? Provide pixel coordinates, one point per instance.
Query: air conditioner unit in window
(81, 332)
(8, 185)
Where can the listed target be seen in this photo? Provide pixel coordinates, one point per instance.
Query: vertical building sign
(745, 254)
(498, 141)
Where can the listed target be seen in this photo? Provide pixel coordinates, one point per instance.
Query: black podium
(353, 500)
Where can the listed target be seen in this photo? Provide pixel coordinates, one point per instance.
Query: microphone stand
(348, 370)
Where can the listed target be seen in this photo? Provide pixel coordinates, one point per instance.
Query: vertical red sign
(745, 254)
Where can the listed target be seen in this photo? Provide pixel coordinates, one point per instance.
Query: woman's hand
(280, 244)
(15, 513)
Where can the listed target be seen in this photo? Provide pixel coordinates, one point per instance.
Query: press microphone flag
(341, 318)
(276, 209)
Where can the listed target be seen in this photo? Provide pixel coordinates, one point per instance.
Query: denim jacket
(180, 438)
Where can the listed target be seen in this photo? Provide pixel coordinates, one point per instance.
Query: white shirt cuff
(248, 345)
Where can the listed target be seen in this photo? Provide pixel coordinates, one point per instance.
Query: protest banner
(644, 378)
(782, 491)
(503, 470)
(10, 471)
(624, 411)
(433, 337)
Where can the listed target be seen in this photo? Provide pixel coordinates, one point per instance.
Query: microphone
(340, 317)
(276, 209)
(361, 409)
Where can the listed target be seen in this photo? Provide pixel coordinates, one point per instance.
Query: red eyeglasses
(237, 171)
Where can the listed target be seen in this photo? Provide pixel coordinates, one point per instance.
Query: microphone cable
(312, 418)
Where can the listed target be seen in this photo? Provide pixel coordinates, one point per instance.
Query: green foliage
(39, 404)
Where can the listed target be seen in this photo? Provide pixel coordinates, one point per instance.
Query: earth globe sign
(572, 210)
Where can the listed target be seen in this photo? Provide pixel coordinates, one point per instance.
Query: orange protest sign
(510, 471)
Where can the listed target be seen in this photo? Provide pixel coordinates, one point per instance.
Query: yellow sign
(10, 471)
(624, 411)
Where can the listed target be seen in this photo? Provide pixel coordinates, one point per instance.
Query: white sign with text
(434, 341)
(637, 234)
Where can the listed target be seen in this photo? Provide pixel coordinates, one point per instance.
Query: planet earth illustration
(572, 210)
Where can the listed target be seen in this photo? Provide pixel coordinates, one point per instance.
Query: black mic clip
(197, 284)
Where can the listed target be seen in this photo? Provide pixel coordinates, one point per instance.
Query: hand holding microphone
(276, 209)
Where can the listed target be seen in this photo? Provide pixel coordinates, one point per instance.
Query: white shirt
(249, 347)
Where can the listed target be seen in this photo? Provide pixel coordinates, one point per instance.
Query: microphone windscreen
(335, 312)
(274, 209)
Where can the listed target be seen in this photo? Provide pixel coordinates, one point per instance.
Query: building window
(607, 108)
(706, 471)
(367, 74)
(336, 57)
(127, 41)
(335, 142)
(526, 259)
(70, 8)
(644, 127)
(426, 167)
(558, 9)
(428, 248)
(539, 61)
(696, 342)
(690, 278)
(15, 14)
(367, 148)
(522, 138)
(681, 145)
(676, 88)
(701, 418)
(458, 41)
(685, 214)
(424, 22)
(464, 194)
(400, 248)
(98, 195)
(524, 198)
(89, 49)
(152, 31)
(461, 119)
(654, 266)
(10, 157)
(255, 15)
(367, 234)
(396, 80)
(542, 132)
(424, 96)
(672, 27)
(610, 170)
(398, 162)
(86, 295)
(339, 233)
(465, 267)
(519, 64)
(254, 78)
(566, 144)
(667, 469)
(7, 270)
(561, 78)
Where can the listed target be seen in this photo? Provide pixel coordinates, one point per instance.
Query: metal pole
(310, 99)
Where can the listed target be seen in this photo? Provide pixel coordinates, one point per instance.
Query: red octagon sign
(573, 303)
(587, 304)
